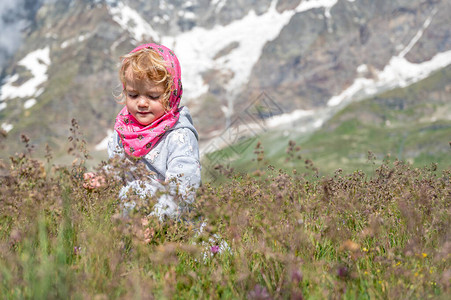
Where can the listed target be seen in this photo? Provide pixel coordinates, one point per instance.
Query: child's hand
(93, 181)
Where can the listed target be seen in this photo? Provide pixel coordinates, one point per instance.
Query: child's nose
(142, 102)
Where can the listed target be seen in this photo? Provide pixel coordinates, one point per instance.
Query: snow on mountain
(131, 21)
(37, 62)
(399, 72)
(7, 127)
(198, 49)
(29, 103)
(79, 39)
(282, 119)
(103, 145)
(15, 17)
(219, 4)
(311, 4)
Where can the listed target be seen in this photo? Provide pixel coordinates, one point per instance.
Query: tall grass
(289, 234)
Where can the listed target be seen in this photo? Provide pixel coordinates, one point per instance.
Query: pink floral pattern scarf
(137, 139)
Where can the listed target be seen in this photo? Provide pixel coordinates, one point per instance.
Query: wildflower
(342, 272)
(214, 249)
(259, 292)
(296, 276)
(77, 250)
(364, 249)
(424, 255)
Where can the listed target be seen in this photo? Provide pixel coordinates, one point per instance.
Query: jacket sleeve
(183, 173)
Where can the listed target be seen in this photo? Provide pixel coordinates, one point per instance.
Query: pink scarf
(137, 139)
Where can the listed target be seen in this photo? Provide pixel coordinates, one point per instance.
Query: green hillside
(412, 124)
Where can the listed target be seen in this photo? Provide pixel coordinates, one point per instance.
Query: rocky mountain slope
(410, 124)
(313, 57)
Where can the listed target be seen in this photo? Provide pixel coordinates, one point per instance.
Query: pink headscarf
(137, 139)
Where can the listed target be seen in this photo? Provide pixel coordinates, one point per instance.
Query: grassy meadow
(269, 234)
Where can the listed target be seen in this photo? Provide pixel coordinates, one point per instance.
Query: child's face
(143, 99)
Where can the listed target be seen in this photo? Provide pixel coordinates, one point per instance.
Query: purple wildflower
(259, 292)
(342, 272)
(214, 249)
(77, 250)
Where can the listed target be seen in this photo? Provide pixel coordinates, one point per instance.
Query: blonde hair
(147, 64)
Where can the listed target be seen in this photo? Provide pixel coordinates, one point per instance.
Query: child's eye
(154, 97)
(132, 96)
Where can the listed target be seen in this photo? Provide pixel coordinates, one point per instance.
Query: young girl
(153, 130)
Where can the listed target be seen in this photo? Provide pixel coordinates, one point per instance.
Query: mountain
(15, 16)
(410, 124)
(298, 60)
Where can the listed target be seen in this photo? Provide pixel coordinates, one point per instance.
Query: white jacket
(174, 160)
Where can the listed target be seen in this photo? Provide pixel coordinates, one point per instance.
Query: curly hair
(146, 64)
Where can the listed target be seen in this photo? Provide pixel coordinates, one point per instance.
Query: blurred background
(339, 78)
